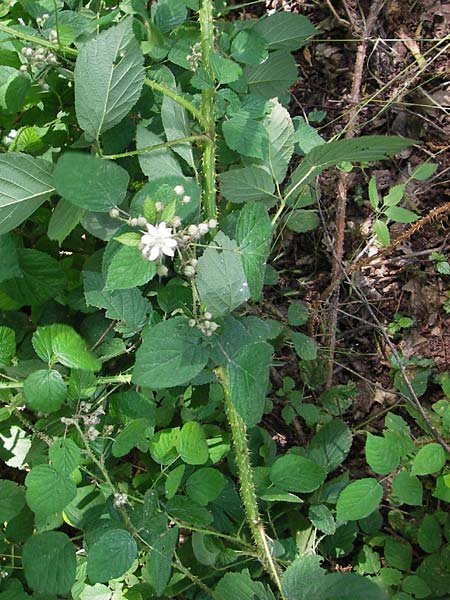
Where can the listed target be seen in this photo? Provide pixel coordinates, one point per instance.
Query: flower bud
(192, 323)
(179, 190)
(212, 223)
(189, 271)
(176, 221)
(186, 199)
(194, 262)
(162, 270)
(193, 230)
(142, 221)
(134, 222)
(159, 206)
(203, 228)
(208, 316)
(114, 213)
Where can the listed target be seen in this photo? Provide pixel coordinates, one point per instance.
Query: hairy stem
(247, 487)
(208, 113)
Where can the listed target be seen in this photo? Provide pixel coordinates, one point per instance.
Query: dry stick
(342, 187)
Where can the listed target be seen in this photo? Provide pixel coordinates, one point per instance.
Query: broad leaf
(359, 500)
(128, 269)
(250, 184)
(161, 557)
(301, 573)
(302, 220)
(331, 444)
(285, 30)
(90, 182)
(65, 217)
(191, 444)
(408, 489)
(111, 556)
(225, 70)
(61, 343)
(9, 264)
(254, 235)
(12, 500)
(248, 373)
(382, 453)
(430, 459)
(297, 474)
(133, 433)
(305, 346)
(65, 455)
(25, 183)
(48, 491)
(363, 149)
(7, 346)
(249, 47)
(156, 163)
(44, 391)
(221, 280)
(274, 76)
(241, 585)
(246, 136)
(343, 586)
(281, 141)
(49, 562)
(171, 354)
(109, 75)
(205, 485)
(176, 126)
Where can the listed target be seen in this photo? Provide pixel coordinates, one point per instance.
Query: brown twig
(342, 187)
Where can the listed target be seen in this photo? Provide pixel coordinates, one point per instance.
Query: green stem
(125, 378)
(248, 494)
(195, 112)
(34, 39)
(184, 140)
(208, 113)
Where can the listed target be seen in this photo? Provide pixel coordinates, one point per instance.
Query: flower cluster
(39, 57)
(194, 58)
(40, 21)
(120, 499)
(157, 242)
(205, 324)
(10, 137)
(89, 417)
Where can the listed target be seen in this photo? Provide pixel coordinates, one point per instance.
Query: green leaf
(331, 445)
(359, 500)
(246, 136)
(298, 314)
(65, 217)
(41, 279)
(12, 500)
(44, 391)
(322, 518)
(109, 75)
(205, 485)
(65, 455)
(373, 193)
(398, 554)
(9, 266)
(250, 184)
(304, 345)
(274, 76)
(408, 489)
(173, 481)
(295, 473)
(417, 586)
(185, 509)
(176, 125)
(281, 134)
(306, 137)
(161, 557)
(248, 47)
(225, 70)
(49, 562)
(171, 354)
(128, 269)
(382, 232)
(430, 459)
(422, 172)
(301, 220)
(111, 556)
(344, 586)
(300, 573)
(205, 548)
(221, 281)
(241, 585)
(61, 343)
(133, 433)
(253, 235)
(429, 535)
(401, 215)
(156, 163)
(285, 30)
(248, 373)
(361, 150)
(102, 185)
(191, 444)
(7, 346)
(48, 491)
(395, 195)
(382, 453)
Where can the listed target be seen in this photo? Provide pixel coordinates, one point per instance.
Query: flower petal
(154, 253)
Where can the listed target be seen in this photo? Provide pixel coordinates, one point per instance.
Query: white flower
(12, 134)
(157, 241)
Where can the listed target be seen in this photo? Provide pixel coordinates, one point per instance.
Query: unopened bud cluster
(90, 418)
(194, 58)
(205, 324)
(38, 57)
(120, 499)
(10, 137)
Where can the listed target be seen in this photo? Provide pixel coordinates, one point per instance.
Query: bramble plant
(144, 172)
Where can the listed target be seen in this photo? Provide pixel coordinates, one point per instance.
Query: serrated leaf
(331, 444)
(398, 553)
(343, 586)
(359, 499)
(429, 459)
(48, 491)
(225, 70)
(250, 184)
(422, 172)
(248, 373)
(221, 281)
(129, 269)
(9, 266)
(241, 585)
(362, 150)
(65, 217)
(408, 489)
(133, 433)
(299, 575)
(382, 232)
(191, 444)
(111, 556)
(41, 279)
(254, 235)
(274, 76)
(322, 518)
(302, 220)
(156, 163)
(395, 195)
(61, 343)
(401, 215)
(429, 535)
(281, 134)
(65, 455)
(249, 47)
(176, 125)
(171, 354)
(49, 562)
(246, 136)
(285, 30)
(109, 75)
(44, 391)
(7, 346)
(161, 557)
(12, 500)
(298, 313)
(90, 182)
(295, 473)
(305, 346)
(382, 453)
(306, 136)
(205, 485)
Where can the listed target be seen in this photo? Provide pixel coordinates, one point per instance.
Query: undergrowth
(146, 170)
